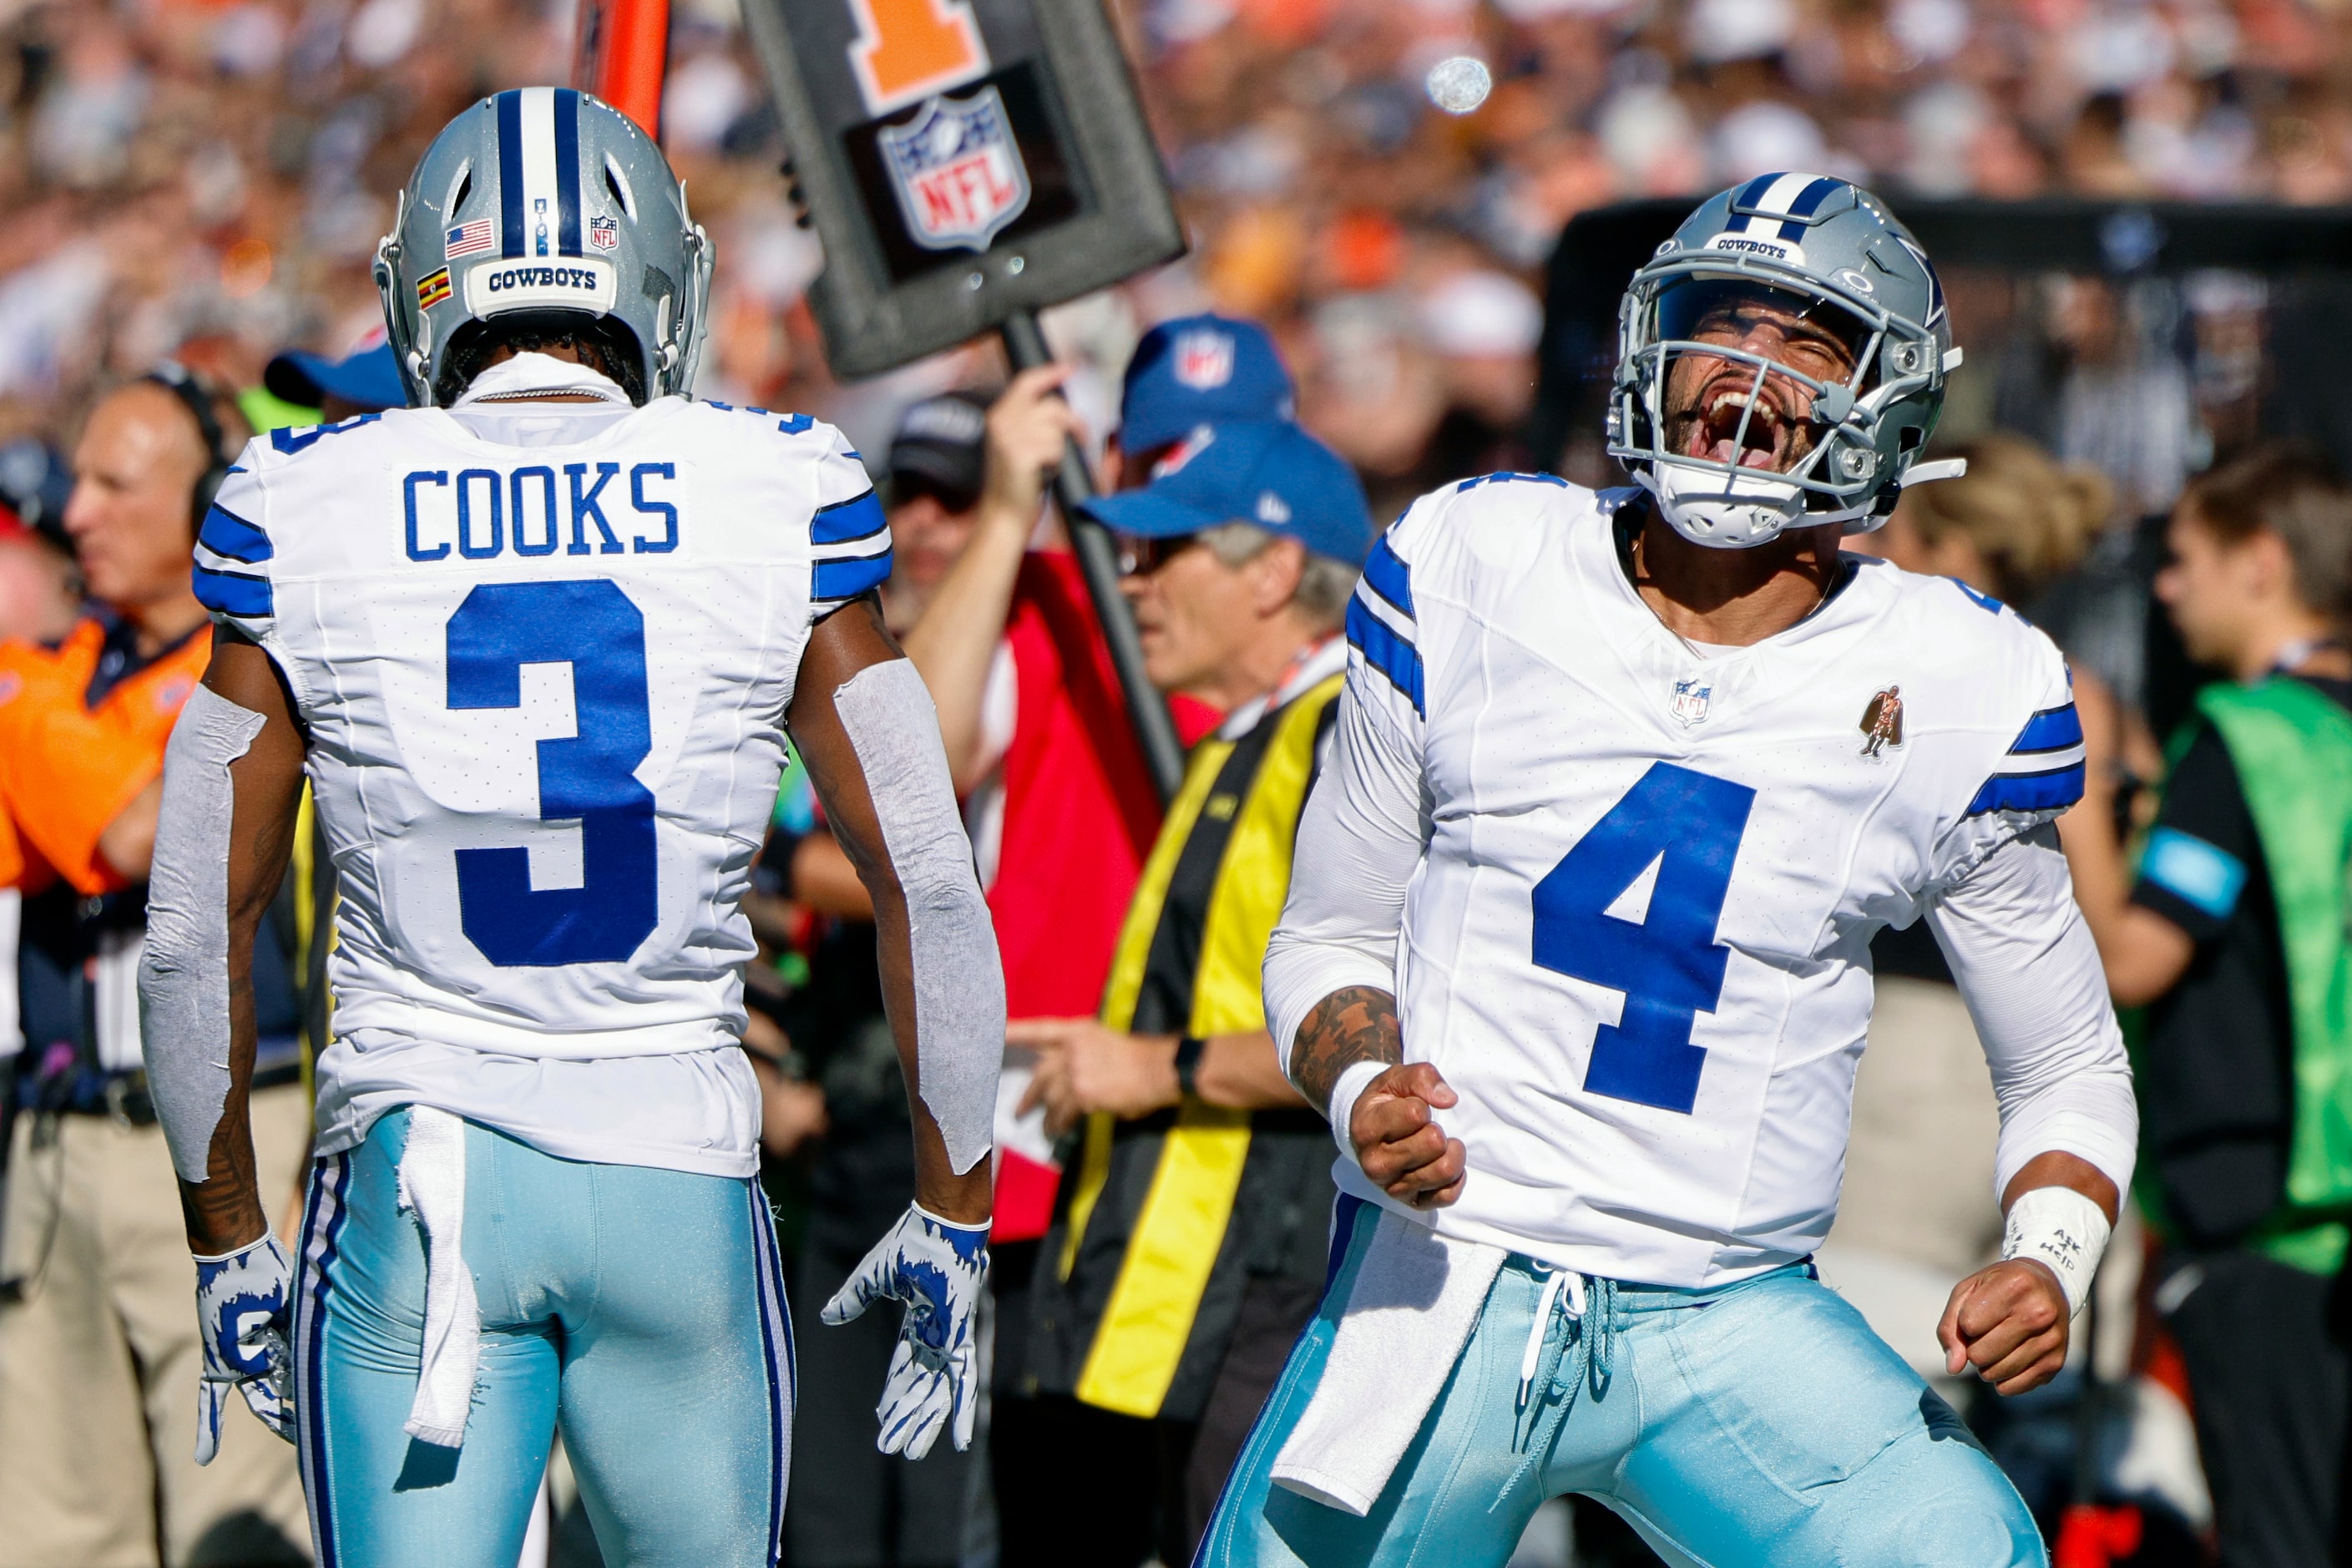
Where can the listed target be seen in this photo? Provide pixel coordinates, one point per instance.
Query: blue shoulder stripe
(233, 593)
(859, 517)
(2052, 791)
(1386, 574)
(2051, 730)
(1385, 651)
(225, 533)
(847, 579)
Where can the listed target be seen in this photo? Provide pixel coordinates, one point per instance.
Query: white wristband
(1344, 1095)
(2061, 1227)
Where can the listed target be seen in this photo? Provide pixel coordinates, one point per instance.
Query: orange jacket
(68, 770)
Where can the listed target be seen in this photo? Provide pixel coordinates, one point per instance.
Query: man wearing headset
(97, 1355)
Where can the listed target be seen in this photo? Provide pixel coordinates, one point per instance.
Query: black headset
(181, 383)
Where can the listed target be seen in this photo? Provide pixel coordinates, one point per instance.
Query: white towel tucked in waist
(1409, 1312)
(433, 1187)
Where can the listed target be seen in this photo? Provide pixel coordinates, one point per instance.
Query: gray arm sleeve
(959, 982)
(183, 971)
(2030, 975)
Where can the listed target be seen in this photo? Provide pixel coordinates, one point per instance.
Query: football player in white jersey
(1577, 956)
(536, 642)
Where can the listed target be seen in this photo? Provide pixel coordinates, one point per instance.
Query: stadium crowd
(205, 184)
(211, 178)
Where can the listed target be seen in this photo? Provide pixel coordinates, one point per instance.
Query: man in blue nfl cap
(1195, 371)
(1191, 1227)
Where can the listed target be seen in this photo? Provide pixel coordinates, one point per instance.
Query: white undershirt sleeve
(2030, 975)
(1359, 838)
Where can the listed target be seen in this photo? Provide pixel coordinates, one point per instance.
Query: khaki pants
(99, 1360)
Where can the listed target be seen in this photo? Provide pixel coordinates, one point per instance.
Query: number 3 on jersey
(590, 776)
(1667, 963)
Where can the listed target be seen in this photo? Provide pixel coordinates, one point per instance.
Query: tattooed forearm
(1356, 1025)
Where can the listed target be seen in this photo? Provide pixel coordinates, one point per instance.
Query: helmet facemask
(1750, 398)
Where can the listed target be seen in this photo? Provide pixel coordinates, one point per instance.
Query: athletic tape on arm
(184, 972)
(959, 982)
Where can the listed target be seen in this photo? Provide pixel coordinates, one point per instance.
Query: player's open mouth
(1726, 431)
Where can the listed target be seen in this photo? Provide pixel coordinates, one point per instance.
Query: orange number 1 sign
(908, 49)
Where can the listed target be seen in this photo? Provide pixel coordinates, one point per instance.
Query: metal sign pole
(1073, 486)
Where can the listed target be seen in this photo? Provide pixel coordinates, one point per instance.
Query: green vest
(2291, 747)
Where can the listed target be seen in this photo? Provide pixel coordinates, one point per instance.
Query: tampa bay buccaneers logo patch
(1882, 721)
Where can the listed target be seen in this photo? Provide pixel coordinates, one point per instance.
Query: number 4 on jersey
(1667, 963)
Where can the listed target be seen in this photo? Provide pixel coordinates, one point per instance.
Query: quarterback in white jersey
(1576, 956)
(536, 644)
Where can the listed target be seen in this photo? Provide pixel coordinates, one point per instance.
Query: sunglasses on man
(1140, 556)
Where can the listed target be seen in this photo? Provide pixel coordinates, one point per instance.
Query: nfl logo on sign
(1205, 359)
(957, 173)
(604, 234)
(1689, 703)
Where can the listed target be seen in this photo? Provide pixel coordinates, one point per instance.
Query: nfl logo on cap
(1205, 359)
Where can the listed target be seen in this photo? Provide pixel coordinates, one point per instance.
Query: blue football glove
(936, 1267)
(245, 1316)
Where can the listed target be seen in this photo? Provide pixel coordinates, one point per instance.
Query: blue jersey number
(589, 777)
(1669, 967)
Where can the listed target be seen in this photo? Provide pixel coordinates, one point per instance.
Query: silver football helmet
(1825, 421)
(544, 199)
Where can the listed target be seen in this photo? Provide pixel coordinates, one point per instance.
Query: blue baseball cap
(368, 377)
(1200, 370)
(1267, 472)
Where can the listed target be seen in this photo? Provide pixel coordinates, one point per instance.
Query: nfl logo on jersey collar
(1688, 704)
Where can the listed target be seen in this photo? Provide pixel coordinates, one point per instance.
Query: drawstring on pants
(1582, 1354)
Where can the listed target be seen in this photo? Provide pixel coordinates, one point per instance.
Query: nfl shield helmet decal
(956, 170)
(604, 233)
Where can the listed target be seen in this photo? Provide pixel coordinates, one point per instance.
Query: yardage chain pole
(1073, 486)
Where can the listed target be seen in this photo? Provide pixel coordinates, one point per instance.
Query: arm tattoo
(1355, 1024)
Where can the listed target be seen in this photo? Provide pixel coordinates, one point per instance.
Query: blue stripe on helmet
(510, 239)
(1808, 200)
(567, 171)
(1748, 196)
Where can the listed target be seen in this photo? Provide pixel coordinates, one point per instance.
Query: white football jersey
(1637, 943)
(545, 687)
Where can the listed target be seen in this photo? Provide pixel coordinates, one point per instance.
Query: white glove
(245, 1318)
(936, 1267)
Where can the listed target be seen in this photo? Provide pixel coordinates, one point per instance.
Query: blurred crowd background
(210, 179)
